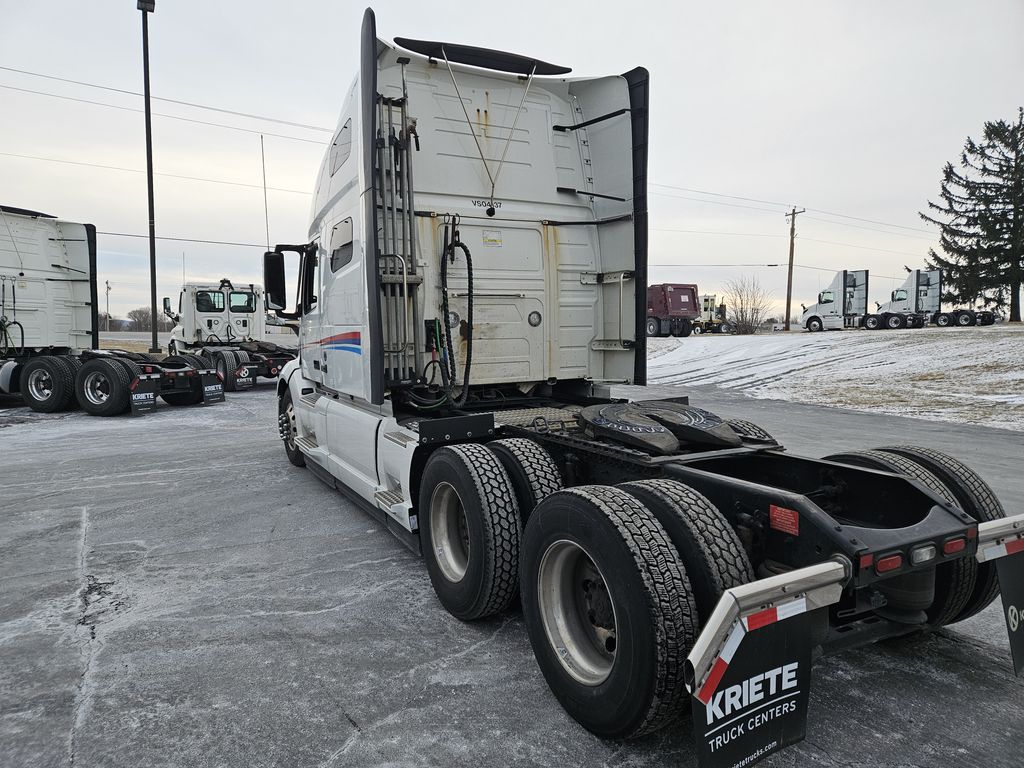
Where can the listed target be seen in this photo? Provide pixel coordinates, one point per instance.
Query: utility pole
(147, 7)
(792, 243)
(108, 306)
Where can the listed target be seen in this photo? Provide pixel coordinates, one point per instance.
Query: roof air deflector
(481, 57)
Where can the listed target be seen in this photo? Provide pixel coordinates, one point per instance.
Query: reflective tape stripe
(1001, 550)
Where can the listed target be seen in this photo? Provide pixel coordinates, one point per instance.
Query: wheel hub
(40, 384)
(577, 612)
(97, 388)
(449, 532)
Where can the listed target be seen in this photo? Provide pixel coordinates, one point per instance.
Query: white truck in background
(843, 304)
(49, 329)
(471, 286)
(919, 302)
(227, 325)
(713, 316)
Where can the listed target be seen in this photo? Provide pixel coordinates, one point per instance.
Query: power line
(184, 239)
(870, 229)
(139, 170)
(169, 101)
(714, 202)
(719, 194)
(159, 114)
(860, 247)
(870, 221)
(712, 232)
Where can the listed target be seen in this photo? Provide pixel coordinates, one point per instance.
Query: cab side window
(341, 147)
(825, 297)
(341, 244)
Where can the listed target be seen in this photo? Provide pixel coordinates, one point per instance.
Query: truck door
(314, 354)
(242, 313)
(830, 310)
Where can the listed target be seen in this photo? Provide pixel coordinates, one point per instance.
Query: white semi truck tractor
(471, 288)
(919, 301)
(842, 305)
(49, 329)
(226, 325)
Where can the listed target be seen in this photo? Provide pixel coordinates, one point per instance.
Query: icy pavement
(961, 375)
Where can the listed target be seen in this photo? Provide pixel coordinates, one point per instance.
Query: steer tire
(973, 496)
(954, 580)
(594, 555)
(751, 430)
(102, 387)
(470, 528)
(46, 384)
(653, 326)
(531, 470)
(289, 429)
(708, 546)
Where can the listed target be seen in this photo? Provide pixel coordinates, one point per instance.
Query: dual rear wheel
(614, 581)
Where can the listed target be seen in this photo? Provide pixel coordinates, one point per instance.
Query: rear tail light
(889, 563)
(866, 561)
(134, 385)
(923, 554)
(953, 546)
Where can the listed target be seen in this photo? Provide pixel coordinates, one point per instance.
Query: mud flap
(1002, 541)
(244, 376)
(143, 393)
(749, 672)
(213, 387)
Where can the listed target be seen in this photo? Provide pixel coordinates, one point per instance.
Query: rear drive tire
(749, 429)
(289, 429)
(895, 322)
(954, 581)
(685, 328)
(943, 320)
(531, 470)
(470, 525)
(102, 387)
(965, 319)
(710, 550)
(227, 364)
(872, 322)
(609, 610)
(973, 496)
(47, 384)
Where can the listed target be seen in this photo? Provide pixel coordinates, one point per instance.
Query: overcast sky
(847, 108)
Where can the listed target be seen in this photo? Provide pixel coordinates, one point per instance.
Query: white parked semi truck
(226, 325)
(49, 329)
(843, 304)
(472, 286)
(919, 302)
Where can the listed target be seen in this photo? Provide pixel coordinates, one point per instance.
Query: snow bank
(962, 375)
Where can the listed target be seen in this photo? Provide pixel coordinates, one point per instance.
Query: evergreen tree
(981, 216)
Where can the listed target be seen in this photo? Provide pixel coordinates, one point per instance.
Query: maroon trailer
(672, 309)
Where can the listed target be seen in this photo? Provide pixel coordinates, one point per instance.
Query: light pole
(147, 7)
(108, 306)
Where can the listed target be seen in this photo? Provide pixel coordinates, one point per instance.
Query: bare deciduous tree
(748, 303)
(142, 320)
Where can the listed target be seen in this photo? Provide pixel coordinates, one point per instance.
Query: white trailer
(471, 287)
(227, 326)
(49, 329)
(842, 305)
(919, 301)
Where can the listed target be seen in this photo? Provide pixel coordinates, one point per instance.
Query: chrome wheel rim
(577, 612)
(96, 387)
(40, 384)
(449, 532)
(291, 430)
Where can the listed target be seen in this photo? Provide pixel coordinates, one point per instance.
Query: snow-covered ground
(963, 375)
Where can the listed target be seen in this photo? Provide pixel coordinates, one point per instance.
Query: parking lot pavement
(174, 592)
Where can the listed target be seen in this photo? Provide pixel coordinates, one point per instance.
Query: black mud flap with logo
(143, 393)
(1001, 542)
(213, 387)
(755, 699)
(245, 376)
(749, 671)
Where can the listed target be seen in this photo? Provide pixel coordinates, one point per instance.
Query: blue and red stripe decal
(351, 341)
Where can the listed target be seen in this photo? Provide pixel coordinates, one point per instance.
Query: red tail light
(133, 385)
(953, 546)
(866, 561)
(889, 563)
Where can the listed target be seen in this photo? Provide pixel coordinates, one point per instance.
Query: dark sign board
(143, 397)
(245, 377)
(213, 388)
(755, 700)
(1011, 585)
